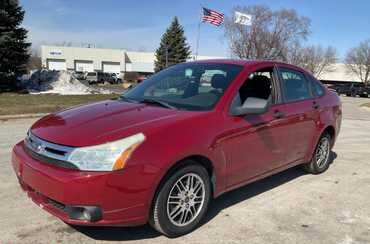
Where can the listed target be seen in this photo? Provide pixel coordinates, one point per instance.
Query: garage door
(84, 66)
(57, 64)
(110, 67)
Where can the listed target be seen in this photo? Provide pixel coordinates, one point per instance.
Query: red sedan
(186, 135)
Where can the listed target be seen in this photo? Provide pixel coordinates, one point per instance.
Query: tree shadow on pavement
(220, 203)
(253, 189)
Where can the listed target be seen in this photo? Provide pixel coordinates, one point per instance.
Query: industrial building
(95, 59)
(99, 59)
(120, 61)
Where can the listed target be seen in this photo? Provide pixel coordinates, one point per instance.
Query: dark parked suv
(99, 77)
(353, 89)
(363, 91)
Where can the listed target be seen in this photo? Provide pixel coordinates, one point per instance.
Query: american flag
(213, 17)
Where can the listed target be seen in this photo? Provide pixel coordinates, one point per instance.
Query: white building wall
(84, 66)
(71, 54)
(140, 62)
(339, 73)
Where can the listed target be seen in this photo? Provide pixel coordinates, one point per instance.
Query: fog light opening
(86, 215)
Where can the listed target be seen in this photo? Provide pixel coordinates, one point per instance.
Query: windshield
(189, 86)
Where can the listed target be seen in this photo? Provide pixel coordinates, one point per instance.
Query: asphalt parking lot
(290, 207)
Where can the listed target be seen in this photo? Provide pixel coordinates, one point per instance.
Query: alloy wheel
(322, 152)
(186, 199)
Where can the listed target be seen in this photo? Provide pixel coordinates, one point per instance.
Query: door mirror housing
(252, 105)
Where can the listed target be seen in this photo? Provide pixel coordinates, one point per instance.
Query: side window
(316, 88)
(295, 85)
(258, 85)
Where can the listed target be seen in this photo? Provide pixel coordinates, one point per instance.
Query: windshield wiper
(159, 102)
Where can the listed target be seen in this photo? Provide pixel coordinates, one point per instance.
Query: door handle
(278, 114)
(315, 105)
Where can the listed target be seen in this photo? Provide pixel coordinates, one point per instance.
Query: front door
(256, 144)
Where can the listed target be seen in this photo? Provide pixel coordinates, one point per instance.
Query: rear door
(300, 111)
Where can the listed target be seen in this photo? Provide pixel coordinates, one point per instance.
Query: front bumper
(122, 197)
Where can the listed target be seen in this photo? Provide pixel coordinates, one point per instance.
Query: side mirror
(252, 105)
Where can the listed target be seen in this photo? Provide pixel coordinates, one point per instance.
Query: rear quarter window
(317, 88)
(295, 85)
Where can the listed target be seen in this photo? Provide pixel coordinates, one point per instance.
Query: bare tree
(358, 61)
(271, 35)
(316, 59)
(34, 63)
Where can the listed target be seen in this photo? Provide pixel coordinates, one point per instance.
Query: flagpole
(198, 35)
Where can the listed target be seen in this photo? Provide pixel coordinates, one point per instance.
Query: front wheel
(320, 160)
(182, 201)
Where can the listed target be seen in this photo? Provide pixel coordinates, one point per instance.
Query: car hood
(101, 122)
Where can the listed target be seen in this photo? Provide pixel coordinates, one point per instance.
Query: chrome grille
(48, 152)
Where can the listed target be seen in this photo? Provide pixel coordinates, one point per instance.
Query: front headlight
(105, 157)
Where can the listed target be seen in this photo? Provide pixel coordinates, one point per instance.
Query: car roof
(246, 62)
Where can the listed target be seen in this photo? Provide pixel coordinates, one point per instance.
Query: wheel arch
(197, 159)
(331, 131)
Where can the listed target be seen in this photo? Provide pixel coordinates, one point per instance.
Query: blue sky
(138, 25)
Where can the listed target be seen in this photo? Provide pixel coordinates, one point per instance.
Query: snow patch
(59, 82)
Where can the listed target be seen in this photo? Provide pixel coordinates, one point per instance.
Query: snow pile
(59, 82)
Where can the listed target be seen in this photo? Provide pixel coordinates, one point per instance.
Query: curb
(22, 116)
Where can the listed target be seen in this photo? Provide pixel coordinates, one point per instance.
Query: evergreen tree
(173, 45)
(13, 46)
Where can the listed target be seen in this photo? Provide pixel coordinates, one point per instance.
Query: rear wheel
(320, 160)
(182, 201)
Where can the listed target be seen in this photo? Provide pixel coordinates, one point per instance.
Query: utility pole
(198, 33)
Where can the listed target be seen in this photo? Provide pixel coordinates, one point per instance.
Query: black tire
(315, 166)
(160, 219)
